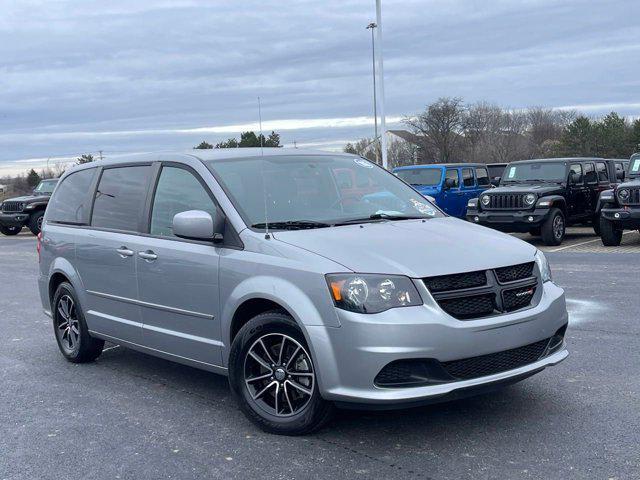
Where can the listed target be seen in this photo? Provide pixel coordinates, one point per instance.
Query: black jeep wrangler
(620, 206)
(542, 197)
(28, 210)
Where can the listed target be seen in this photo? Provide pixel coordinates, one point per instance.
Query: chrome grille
(506, 201)
(12, 207)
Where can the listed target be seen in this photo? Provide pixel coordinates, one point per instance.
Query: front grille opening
(493, 363)
(456, 281)
(515, 272)
(517, 298)
(411, 373)
(469, 307)
(499, 201)
(557, 340)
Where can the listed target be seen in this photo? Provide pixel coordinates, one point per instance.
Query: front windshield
(634, 166)
(316, 190)
(420, 176)
(535, 172)
(46, 186)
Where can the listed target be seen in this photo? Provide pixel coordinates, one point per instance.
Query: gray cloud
(71, 68)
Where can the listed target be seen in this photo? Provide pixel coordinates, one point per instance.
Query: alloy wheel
(39, 223)
(279, 375)
(558, 227)
(67, 325)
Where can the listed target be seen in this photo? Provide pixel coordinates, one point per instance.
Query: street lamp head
(372, 25)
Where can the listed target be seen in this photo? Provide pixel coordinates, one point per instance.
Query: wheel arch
(61, 271)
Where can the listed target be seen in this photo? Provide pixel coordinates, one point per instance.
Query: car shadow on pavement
(506, 409)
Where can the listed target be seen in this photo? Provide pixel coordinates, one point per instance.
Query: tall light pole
(371, 27)
(383, 122)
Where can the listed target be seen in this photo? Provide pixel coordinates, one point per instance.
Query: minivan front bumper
(349, 358)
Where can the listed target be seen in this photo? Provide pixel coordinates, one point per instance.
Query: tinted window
(590, 173)
(120, 198)
(483, 177)
(421, 176)
(46, 187)
(72, 201)
(496, 170)
(178, 191)
(576, 168)
(603, 174)
(467, 177)
(453, 174)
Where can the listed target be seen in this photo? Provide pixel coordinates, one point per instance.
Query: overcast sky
(119, 76)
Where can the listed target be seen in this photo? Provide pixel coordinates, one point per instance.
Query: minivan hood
(411, 247)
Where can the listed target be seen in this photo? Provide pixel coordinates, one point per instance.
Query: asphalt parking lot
(133, 416)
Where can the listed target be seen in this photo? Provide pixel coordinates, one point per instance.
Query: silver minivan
(311, 279)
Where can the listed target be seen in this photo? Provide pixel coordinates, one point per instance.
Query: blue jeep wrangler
(452, 185)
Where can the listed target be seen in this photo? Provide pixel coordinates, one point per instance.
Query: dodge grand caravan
(307, 296)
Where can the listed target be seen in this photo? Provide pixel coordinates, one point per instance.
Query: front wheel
(9, 231)
(35, 222)
(273, 378)
(610, 236)
(553, 229)
(70, 328)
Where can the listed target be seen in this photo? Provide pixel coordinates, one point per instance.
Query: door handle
(149, 255)
(124, 252)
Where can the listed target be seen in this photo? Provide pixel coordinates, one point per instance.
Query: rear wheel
(610, 236)
(35, 222)
(553, 229)
(273, 378)
(10, 231)
(70, 328)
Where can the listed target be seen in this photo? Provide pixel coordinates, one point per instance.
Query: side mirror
(495, 181)
(197, 225)
(620, 175)
(449, 183)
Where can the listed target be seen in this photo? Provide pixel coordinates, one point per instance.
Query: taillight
(39, 245)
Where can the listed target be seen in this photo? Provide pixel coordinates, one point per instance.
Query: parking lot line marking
(110, 348)
(581, 243)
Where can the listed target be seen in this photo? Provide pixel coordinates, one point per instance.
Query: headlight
(529, 199)
(543, 266)
(29, 206)
(372, 293)
(473, 203)
(623, 194)
(485, 200)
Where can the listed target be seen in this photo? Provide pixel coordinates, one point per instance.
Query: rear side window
(621, 172)
(483, 177)
(467, 177)
(120, 198)
(178, 191)
(603, 174)
(576, 173)
(72, 200)
(453, 174)
(590, 173)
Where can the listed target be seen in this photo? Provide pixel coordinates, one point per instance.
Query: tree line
(449, 130)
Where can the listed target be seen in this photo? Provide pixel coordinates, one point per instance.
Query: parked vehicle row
(28, 211)
(620, 206)
(322, 280)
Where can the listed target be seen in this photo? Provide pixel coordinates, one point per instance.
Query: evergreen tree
(33, 178)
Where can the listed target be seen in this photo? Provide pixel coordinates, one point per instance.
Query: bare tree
(441, 126)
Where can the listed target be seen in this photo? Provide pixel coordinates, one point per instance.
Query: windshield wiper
(292, 225)
(381, 216)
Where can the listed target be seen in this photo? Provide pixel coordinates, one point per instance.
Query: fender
(605, 197)
(549, 200)
(283, 292)
(63, 266)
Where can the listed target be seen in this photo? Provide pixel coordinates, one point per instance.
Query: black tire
(35, 222)
(610, 236)
(272, 411)
(535, 232)
(553, 229)
(77, 346)
(10, 231)
(596, 226)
